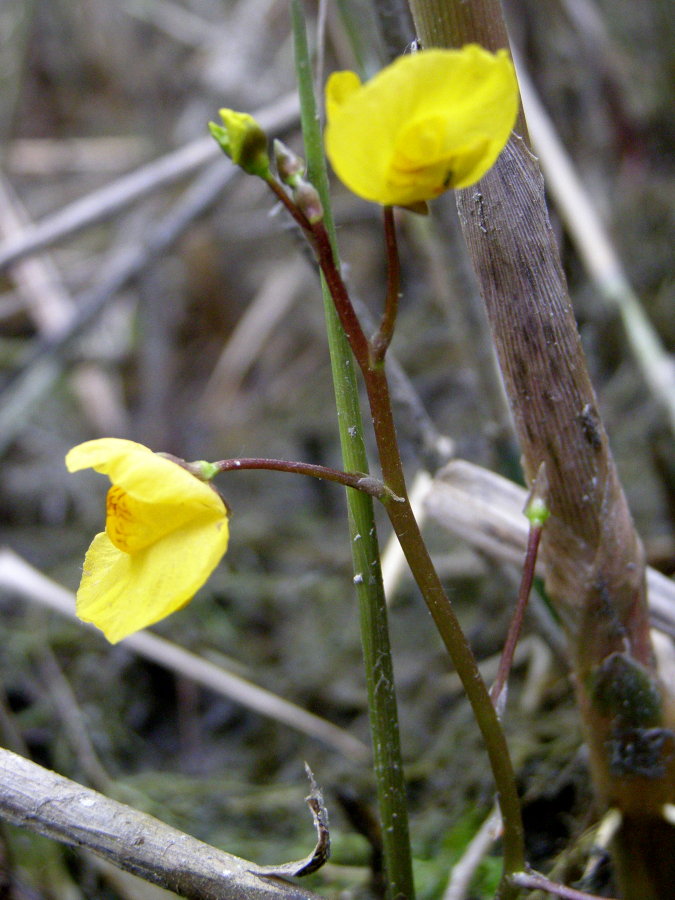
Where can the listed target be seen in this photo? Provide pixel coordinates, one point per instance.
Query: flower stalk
(419, 154)
(379, 343)
(402, 518)
(359, 481)
(498, 689)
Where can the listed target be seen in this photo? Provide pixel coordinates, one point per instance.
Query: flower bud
(537, 512)
(307, 200)
(242, 139)
(289, 166)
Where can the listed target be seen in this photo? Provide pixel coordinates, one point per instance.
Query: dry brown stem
(595, 570)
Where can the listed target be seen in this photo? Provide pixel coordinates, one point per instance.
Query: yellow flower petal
(165, 533)
(430, 121)
(143, 474)
(121, 593)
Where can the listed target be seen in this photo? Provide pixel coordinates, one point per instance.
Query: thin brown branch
(290, 207)
(343, 304)
(516, 624)
(356, 480)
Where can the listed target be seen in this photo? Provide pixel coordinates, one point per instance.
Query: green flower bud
(242, 139)
(537, 512)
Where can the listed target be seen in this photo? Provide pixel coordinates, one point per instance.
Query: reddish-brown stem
(356, 480)
(343, 304)
(379, 343)
(281, 195)
(516, 625)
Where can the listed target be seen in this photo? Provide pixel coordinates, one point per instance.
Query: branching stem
(407, 530)
(368, 584)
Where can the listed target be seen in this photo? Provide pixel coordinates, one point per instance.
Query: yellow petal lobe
(339, 87)
(143, 474)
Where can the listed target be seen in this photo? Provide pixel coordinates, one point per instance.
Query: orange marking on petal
(118, 518)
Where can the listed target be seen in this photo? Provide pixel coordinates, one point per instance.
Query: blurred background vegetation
(212, 345)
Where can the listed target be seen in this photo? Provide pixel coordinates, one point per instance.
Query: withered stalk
(595, 569)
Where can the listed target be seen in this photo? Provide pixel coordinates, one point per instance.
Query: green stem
(412, 543)
(417, 555)
(387, 762)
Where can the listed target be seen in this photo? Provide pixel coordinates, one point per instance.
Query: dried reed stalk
(595, 568)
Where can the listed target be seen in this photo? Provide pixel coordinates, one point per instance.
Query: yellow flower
(430, 121)
(166, 531)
